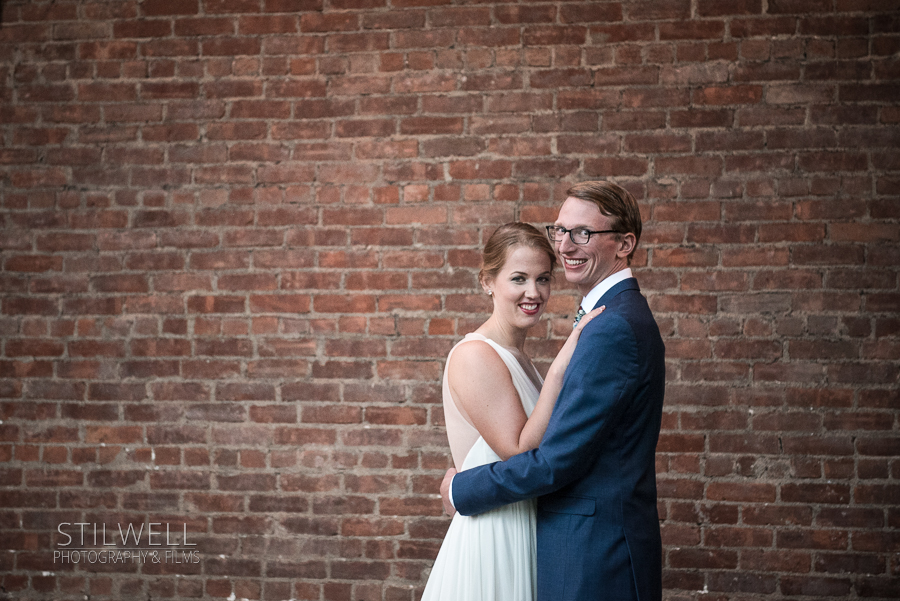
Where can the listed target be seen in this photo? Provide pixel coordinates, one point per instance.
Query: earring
(490, 293)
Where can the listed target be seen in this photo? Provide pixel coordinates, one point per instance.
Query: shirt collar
(588, 302)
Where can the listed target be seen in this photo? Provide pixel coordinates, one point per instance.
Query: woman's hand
(565, 354)
(585, 319)
(449, 509)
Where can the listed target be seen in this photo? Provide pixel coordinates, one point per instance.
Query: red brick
(679, 257)
(740, 582)
(328, 22)
(720, 95)
(352, 157)
(719, 8)
(616, 167)
(170, 7)
(269, 24)
(33, 263)
(691, 30)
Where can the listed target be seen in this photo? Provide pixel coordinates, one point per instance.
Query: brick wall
(239, 237)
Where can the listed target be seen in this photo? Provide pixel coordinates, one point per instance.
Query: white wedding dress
(491, 556)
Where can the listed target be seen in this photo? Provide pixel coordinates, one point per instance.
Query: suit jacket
(594, 471)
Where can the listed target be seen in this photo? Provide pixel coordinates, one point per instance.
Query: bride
(496, 406)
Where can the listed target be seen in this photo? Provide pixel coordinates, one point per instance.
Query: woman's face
(522, 287)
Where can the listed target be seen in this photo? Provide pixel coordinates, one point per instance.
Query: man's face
(604, 254)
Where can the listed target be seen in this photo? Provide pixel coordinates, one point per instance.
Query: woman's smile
(529, 308)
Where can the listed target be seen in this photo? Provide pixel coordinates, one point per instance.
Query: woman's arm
(482, 387)
(602, 382)
(534, 429)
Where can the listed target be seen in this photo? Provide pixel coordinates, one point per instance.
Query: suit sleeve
(600, 380)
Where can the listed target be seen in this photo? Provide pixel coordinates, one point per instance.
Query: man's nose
(565, 243)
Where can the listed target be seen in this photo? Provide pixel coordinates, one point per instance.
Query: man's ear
(626, 245)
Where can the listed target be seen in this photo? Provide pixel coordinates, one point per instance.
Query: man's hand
(449, 509)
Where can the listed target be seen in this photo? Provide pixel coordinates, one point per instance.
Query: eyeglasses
(579, 235)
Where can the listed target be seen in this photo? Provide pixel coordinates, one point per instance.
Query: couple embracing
(555, 497)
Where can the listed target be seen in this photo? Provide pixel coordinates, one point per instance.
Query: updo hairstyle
(504, 238)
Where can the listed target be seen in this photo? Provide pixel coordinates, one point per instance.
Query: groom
(594, 472)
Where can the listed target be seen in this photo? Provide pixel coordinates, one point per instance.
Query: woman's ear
(486, 286)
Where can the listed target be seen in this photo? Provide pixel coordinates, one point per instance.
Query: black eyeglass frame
(563, 231)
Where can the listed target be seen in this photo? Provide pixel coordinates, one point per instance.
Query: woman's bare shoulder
(474, 355)
(476, 366)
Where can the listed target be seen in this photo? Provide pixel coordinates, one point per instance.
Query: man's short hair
(615, 202)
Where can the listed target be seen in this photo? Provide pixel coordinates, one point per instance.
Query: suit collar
(602, 287)
(629, 284)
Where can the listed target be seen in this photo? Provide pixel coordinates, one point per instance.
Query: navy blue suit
(594, 473)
